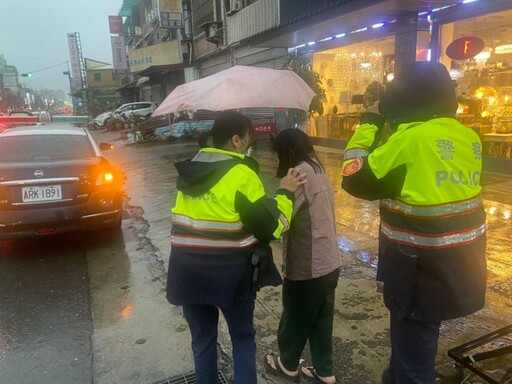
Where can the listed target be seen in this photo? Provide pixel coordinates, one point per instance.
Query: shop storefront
(353, 77)
(478, 53)
(347, 72)
(472, 38)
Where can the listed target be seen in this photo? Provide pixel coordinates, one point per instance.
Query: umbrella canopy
(240, 87)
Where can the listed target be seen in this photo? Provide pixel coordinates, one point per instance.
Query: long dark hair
(225, 126)
(293, 147)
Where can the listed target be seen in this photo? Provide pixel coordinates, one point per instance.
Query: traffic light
(26, 75)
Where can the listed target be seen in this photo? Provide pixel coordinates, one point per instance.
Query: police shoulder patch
(352, 166)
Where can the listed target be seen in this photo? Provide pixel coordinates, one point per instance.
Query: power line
(44, 69)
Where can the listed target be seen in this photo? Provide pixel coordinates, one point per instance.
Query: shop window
(484, 80)
(348, 72)
(97, 76)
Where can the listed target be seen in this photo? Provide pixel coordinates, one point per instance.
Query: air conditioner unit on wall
(234, 6)
(213, 31)
(138, 31)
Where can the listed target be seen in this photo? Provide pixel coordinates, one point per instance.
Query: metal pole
(71, 87)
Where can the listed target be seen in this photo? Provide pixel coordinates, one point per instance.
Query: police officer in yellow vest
(221, 225)
(432, 232)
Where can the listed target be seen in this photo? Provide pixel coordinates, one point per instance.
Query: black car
(55, 179)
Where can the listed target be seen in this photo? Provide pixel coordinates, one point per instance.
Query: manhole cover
(504, 288)
(188, 378)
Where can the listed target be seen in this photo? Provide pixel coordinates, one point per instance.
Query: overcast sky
(33, 35)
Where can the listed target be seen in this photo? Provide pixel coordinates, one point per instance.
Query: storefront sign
(464, 48)
(159, 54)
(119, 53)
(171, 20)
(262, 128)
(74, 55)
(115, 24)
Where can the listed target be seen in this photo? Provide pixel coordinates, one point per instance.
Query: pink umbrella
(240, 87)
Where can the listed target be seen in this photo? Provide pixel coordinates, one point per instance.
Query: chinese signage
(262, 128)
(115, 24)
(75, 59)
(119, 53)
(159, 54)
(171, 20)
(464, 48)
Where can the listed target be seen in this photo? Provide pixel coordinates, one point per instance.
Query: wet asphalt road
(45, 317)
(45, 320)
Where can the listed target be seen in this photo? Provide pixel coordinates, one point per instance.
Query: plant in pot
(115, 124)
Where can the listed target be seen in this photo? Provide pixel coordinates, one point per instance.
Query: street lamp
(68, 74)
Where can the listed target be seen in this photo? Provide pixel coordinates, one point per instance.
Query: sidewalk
(361, 348)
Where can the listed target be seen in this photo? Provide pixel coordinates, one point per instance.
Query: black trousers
(413, 351)
(308, 309)
(203, 322)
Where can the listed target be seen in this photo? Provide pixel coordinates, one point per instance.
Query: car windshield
(45, 147)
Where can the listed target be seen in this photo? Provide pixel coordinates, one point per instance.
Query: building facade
(353, 44)
(157, 36)
(102, 83)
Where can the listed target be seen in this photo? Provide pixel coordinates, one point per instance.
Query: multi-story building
(102, 83)
(9, 74)
(351, 44)
(158, 41)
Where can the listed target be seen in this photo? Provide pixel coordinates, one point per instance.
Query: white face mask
(249, 149)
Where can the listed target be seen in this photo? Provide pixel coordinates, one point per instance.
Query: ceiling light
(503, 49)
(359, 30)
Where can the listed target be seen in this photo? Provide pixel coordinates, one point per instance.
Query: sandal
(278, 371)
(314, 378)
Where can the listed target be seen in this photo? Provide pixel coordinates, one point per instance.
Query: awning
(131, 84)
(162, 69)
(142, 80)
(353, 15)
(126, 8)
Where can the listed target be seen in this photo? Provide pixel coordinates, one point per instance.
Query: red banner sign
(264, 126)
(115, 24)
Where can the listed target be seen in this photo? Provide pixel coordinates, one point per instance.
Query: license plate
(46, 193)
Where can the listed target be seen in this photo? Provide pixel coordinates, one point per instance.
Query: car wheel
(95, 126)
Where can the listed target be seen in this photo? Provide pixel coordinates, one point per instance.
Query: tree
(303, 67)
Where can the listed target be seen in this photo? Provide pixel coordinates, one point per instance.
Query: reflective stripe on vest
(190, 232)
(432, 241)
(201, 242)
(432, 210)
(284, 221)
(205, 225)
(356, 152)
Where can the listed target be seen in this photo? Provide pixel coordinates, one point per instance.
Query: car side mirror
(106, 146)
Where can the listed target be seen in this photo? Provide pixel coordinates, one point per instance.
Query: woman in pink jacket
(310, 267)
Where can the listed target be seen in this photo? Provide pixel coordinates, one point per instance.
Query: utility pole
(68, 74)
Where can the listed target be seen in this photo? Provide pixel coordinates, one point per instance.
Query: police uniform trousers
(413, 351)
(203, 322)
